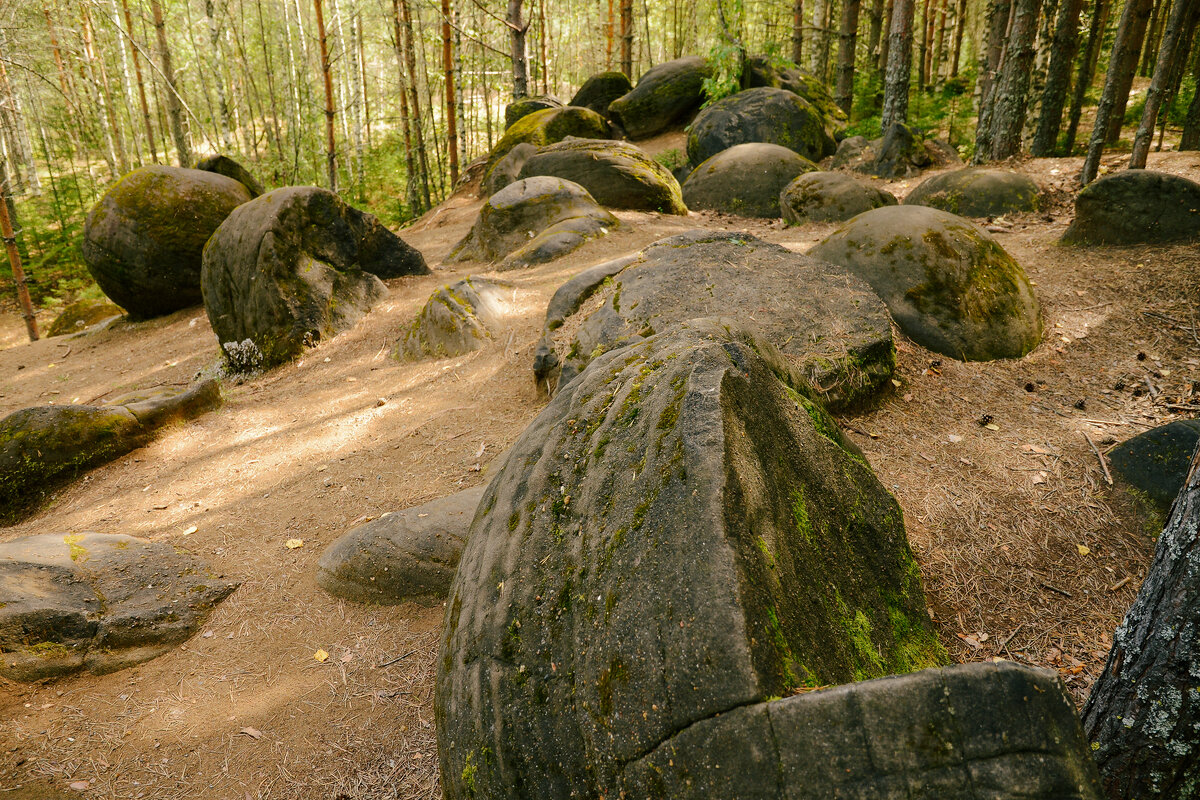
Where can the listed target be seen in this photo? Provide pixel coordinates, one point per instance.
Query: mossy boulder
(600, 90)
(548, 126)
(977, 192)
(83, 314)
(829, 197)
(533, 221)
(1156, 462)
(782, 74)
(457, 319)
(745, 180)
(679, 533)
(666, 97)
(524, 106)
(949, 285)
(830, 326)
(776, 116)
(224, 165)
(405, 555)
(616, 174)
(507, 169)
(1136, 206)
(143, 240)
(292, 268)
(43, 447)
(98, 602)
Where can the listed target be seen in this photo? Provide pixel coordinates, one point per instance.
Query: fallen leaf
(253, 733)
(1083, 549)
(479, 452)
(292, 544)
(896, 383)
(347, 657)
(1040, 478)
(321, 656)
(954, 438)
(971, 640)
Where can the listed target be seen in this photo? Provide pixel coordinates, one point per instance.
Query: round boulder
(457, 319)
(224, 165)
(1136, 206)
(949, 285)
(143, 240)
(746, 179)
(526, 106)
(616, 174)
(762, 71)
(829, 197)
(600, 90)
(977, 192)
(776, 116)
(1156, 462)
(507, 169)
(83, 314)
(548, 126)
(666, 97)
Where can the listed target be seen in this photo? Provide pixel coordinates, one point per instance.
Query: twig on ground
(1099, 455)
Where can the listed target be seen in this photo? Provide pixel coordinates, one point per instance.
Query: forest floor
(1027, 553)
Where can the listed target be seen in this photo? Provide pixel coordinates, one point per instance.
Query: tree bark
(819, 58)
(14, 259)
(1012, 88)
(885, 44)
(174, 107)
(626, 37)
(1160, 83)
(1191, 124)
(1128, 69)
(141, 84)
(997, 32)
(899, 66)
(410, 163)
(1087, 69)
(874, 32)
(960, 26)
(847, 38)
(327, 77)
(414, 103)
(797, 31)
(923, 50)
(1143, 712)
(1149, 46)
(937, 58)
(1058, 77)
(451, 108)
(517, 28)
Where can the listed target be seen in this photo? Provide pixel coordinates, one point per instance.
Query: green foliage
(728, 54)
(672, 159)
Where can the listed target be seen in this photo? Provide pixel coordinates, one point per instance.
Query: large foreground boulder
(1136, 206)
(457, 319)
(977, 192)
(1156, 462)
(600, 90)
(675, 536)
(42, 446)
(776, 116)
(745, 180)
(83, 314)
(949, 285)
(533, 221)
(830, 326)
(616, 174)
(143, 240)
(666, 97)
(829, 197)
(99, 602)
(294, 267)
(524, 106)
(548, 126)
(405, 555)
(224, 165)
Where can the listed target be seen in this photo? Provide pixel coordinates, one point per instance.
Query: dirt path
(999, 518)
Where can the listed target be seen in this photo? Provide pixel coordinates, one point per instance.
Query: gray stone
(775, 116)
(457, 319)
(507, 169)
(977, 192)
(525, 106)
(949, 285)
(745, 180)
(82, 315)
(1156, 462)
(898, 154)
(600, 90)
(666, 97)
(405, 555)
(615, 174)
(1136, 206)
(99, 602)
(782, 74)
(224, 165)
(829, 197)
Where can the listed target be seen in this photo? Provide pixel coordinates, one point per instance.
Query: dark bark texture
(1058, 77)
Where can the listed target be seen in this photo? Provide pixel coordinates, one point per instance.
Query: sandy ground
(1027, 553)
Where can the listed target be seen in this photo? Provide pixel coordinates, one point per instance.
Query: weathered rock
(292, 268)
(830, 326)
(83, 314)
(762, 71)
(507, 169)
(1156, 462)
(524, 106)
(600, 90)
(898, 154)
(406, 555)
(99, 602)
(997, 731)
(745, 180)
(42, 446)
(224, 165)
(775, 116)
(616, 174)
(457, 319)
(548, 126)
(977, 192)
(1136, 206)
(143, 240)
(532, 221)
(677, 534)
(829, 197)
(851, 152)
(666, 97)
(949, 285)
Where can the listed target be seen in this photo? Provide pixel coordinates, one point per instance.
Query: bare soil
(1028, 554)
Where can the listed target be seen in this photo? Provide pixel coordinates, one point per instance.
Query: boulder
(143, 240)
(533, 221)
(776, 116)
(43, 446)
(83, 314)
(829, 197)
(524, 106)
(949, 285)
(977, 192)
(678, 534)
(1136, 206)
(778, 74)
(293, 267)
(507, 169)
(666, 97)
(745, 180)
(548, 126)
(900, 153)
(830, 326)
(851, 153)
(616, 174)
(1156, 462)
(457, 319)
(100, 602)
(600, 90)
(405, 555)
(224, 165)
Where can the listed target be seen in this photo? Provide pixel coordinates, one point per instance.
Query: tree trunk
(819, 58)
(1144, 711)
(1160, 83)
(108, 119)
(174, 106)
(1149, 46)
(923, 50)
(14, 259)
(626, 37)
(935, 71)
(327, 77)
(1012, 87)
(610, 29)
(997, 32)
(874, 32)
(520, 57)
(141, 84)
(410, 163)
(885, 44)
(960, 26)
(451, 108)
(1087, 69)
(218, 60)
(899, 66)
(845, 65)
(1058, 77)
(414, 103)
(797, 30)
(1128, 68)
